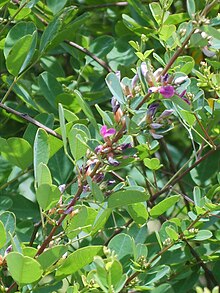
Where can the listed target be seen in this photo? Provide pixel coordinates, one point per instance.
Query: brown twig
(31, 120)
(209, 275)
(177, 179)
(90, 54)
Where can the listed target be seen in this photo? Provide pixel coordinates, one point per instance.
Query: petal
(109, 132)
(167, 91)
(103, 130)
(166, 113)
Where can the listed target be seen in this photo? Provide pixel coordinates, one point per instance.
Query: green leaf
(125, 197)
(43, 174)
(152, 164)
(77, 140)
(164, 205)
(50, 87)
(191, 8)
(17, 32)
(5, 203)
(101, 46)
(172, 233)
(122, 245)
(188, 117)
(63, 126)
(3, 237)
(95, 190)
(50, 33)
(41, 150)
(23, 269)
(156, 11)
(56, 5)
(101, 219)
(138, 212)
(167, 31)
(86, 109)
(115, 88)
(3, 2)
(105, 117)
(202, 235)
(47, 196)
(20, 54)
(211, 31)
(78, 259)
(51, 255)
(17, 151)
(74, 225)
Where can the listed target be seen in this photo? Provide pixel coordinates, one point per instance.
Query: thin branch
(209, 275)
(26, 117)
(176, 180)
(118, 231)
(90, 54)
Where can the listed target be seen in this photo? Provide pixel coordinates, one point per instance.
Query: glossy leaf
(138, 212)
(77, 140)
(17, 151)
(50, 33)
(202, 235)
(20, 55)
(23, 269)
(51, 256)
(3, 235)
(122, 245)
(115, 88)
(164, 205)
(41, 150)
(78, 260)
(56, 5)
(48, 196)
(126, 197)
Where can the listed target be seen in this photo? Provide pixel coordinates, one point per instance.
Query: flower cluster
(157, 123)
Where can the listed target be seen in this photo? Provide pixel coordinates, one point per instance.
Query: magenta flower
(105, 132)
(167, 91)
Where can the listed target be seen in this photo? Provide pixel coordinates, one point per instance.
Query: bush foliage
(109, 146)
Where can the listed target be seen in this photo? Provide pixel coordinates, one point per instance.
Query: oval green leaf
(126, 197)
(78, 259)
(23, 269)
(164, 205)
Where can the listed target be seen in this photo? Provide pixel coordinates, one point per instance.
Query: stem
(204, 130)
(90, 54)
(175, 180)
(209, 275)
(53, 231)
(15, 179)
(31, 120)
(9, 90)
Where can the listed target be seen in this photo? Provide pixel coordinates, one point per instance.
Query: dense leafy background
(135, 211)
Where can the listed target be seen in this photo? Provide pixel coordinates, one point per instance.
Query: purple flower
(105, 132)
(125, 146)
(155, 135)
(113, 162)
(98, 149)
(134, 81)
(167, 91)
(155, 125)
(166, 113)
(144, 69)
(115, 105)
(152, 109)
